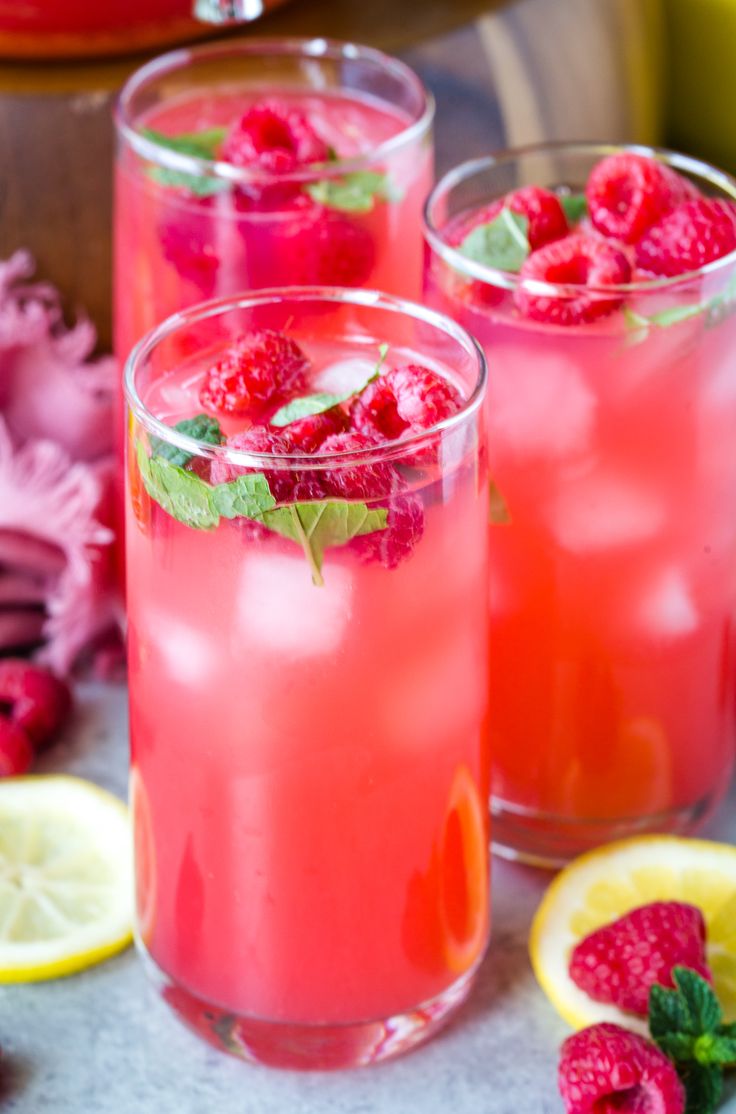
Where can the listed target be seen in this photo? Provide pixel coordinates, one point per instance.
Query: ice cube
(601, 511)
(280, 609)
(345, 375)
(667, 609)
(189, 656)
(539, 403)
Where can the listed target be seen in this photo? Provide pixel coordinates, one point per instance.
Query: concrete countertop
(102, 1042)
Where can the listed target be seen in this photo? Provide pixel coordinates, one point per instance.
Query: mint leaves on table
(201, 145)
(201, 427)
(502, 243)
(321, 401)
(353, 193)
(687, 1024)
(315, 526)
(574, 206)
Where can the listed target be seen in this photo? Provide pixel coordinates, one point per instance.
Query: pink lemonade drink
(307, 616)
(602, 287)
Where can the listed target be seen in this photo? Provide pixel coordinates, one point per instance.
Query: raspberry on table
(258, 370)
(307, 434)
(619, 962)
(606, 1068)
(274, 137)
(588, 262)
(688, 237)
(35, 700)
(404, 401)
(628, 193)
(16, 750)
(541, 207)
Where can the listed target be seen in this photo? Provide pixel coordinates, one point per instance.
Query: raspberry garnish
(578, 260)
(258, 370)
(619, 962)
(321, 247)
(36, 701)
(688, 237)
(273, 137)
(404, 528)
(307, 434)
(16, 752)
(542, 209)
(186, 245)
(259, 440)
(403, 401)
(628, 193)
(606, 1068)
(360, 480)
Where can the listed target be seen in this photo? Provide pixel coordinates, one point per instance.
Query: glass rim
(307, 47)
(370, 299)
(510, 280)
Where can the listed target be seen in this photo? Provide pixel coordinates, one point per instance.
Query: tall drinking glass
(308, 691)
(613, 540)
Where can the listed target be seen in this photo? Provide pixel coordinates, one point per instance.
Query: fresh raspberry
(307, 434)
(404, 401)
(358, 480)
(404, 528)
(578, 260)
(628, 193)
(606, 1069)
(16, 751)
(273, 137)
(542, 208)
(187, 244)
(619, 962)
(321, 247)
(258, 440)
(258, 370)
(36, 700)
(687, 238)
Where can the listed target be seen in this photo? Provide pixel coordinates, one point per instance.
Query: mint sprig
(712, 309)
(353, 193)
(321, 401)
(315, 526)
(687, 1024)
(201, 145)
(201, 427)
(574, 206)
(501, 243)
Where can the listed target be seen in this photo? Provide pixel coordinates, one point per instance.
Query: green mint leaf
(501, 243)
(574, 206)
(182, 494)
(201, 145)
(201, 426)
(498, 511)
(714, 1048)
(353, 193)
(246, 496)
(700, 999)
(321, 401)
(321, 525)
(668, 1013)
(675, 314)
(680, 1047)
(703, 1088)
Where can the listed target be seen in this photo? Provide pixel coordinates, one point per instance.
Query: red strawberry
(16, 752)
(257, 371)
(36, 700)
(274, 137)
(628, 193)
(621, 961)
(588, 262)
(606, 1069)
(687, 238)
(542, 209)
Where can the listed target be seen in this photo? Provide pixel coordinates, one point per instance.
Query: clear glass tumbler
(308, 696)
(613, 532)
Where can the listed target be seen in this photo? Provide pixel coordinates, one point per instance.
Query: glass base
(545, 840)
(305, 1047)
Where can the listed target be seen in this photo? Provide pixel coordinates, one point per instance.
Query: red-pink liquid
(310, 763)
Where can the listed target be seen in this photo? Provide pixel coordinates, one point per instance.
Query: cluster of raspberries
(34, 705)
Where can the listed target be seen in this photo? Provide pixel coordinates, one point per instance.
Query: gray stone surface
(102, 1043)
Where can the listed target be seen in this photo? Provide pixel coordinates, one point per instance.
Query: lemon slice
(65, 876)
(602, 885)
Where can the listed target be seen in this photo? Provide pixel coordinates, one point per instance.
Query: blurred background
(655, 71)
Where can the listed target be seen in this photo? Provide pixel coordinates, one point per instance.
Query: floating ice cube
(188, 655)
(280, 609)
(345, 375)
(539, 403)
(601, 511)
(667, 608)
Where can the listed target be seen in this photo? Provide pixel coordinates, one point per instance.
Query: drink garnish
(200, 145)
(353, 193)
(202, 427)
(321, 401)
(574, 206)
(502, 243)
